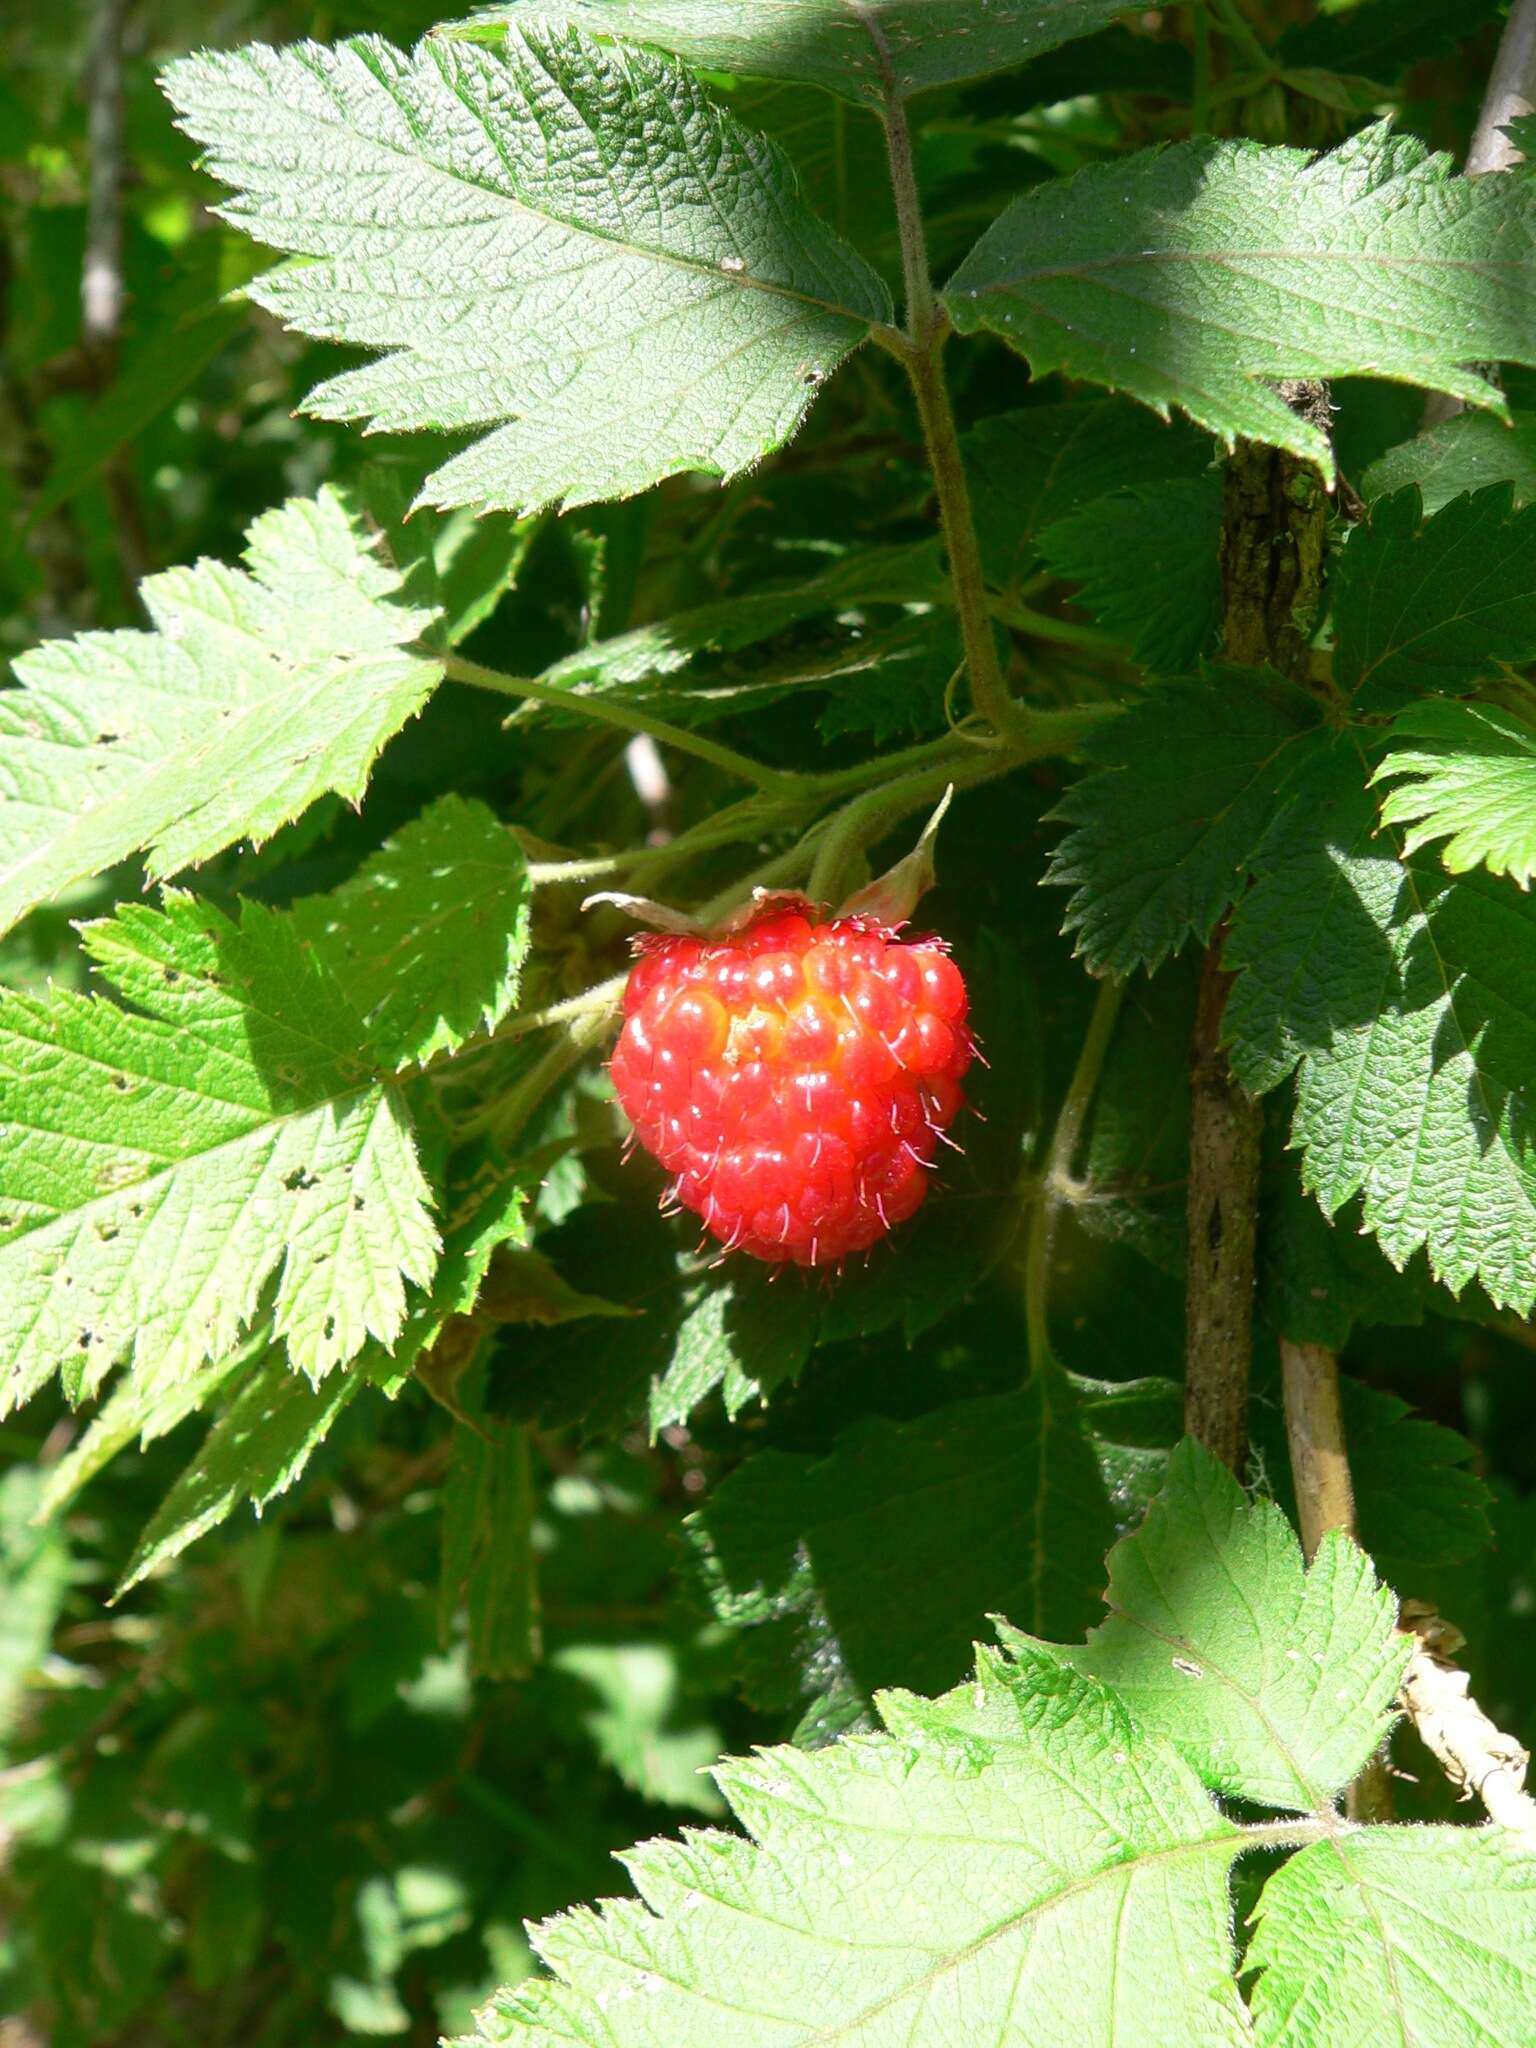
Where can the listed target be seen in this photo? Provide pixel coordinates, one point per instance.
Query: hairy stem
(921, 350)
(1056, 1181)
(1222, 1222)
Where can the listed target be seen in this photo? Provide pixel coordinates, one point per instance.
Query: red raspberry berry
(794, 1078)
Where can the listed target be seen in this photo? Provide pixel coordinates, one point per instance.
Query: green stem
(627, 719)
(868, 818)
(921, 350)
(1041, 626)
(1055, 1183)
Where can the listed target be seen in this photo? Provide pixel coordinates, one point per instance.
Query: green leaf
(1423, 605)
(257, 1449)
(927, 1884)
(865, 50)
(882, 1560)
(1471, 781)
(1399, 1937)
(1407, 999)
(895, 575)
(1180, 790)
(259, 690)
(1033, 468)
(1201, 274)
(1276, 1680)
(428, 938)
(455, 565)
(573, 248)
(1466, 453)
(1320, 1277)
(1148, 565)
(165, 1162)
(488, 1559)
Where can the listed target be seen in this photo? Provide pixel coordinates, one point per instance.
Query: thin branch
(1478, 1758)
(1225, 1127)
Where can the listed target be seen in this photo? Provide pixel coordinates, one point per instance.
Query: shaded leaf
(1033, 468)
(1180, 789)
(1423, 605)
(1147, 563)
(1467, 453)
(883, 1560)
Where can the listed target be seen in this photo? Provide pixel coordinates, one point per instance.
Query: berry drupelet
(794, 1078)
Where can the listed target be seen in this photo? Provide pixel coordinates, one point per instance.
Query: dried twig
(1479, 1759)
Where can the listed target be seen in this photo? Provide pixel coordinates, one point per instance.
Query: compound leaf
(1470, 780)
(1198, 275)
(164, 1163)
(866, 50)
(1181, 789)
(894, 575)
(428, 938)
(924, 1884)
(259, 690)
(1407, 1000)
(1399, 1937)
(1275, 1680)
(570, 246)
(1425, 605)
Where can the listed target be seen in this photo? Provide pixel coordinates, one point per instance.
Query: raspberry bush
(599, 598)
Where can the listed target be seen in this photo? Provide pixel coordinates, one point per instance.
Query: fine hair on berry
(795, 1079)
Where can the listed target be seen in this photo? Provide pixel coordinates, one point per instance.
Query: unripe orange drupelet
(794, 1078)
